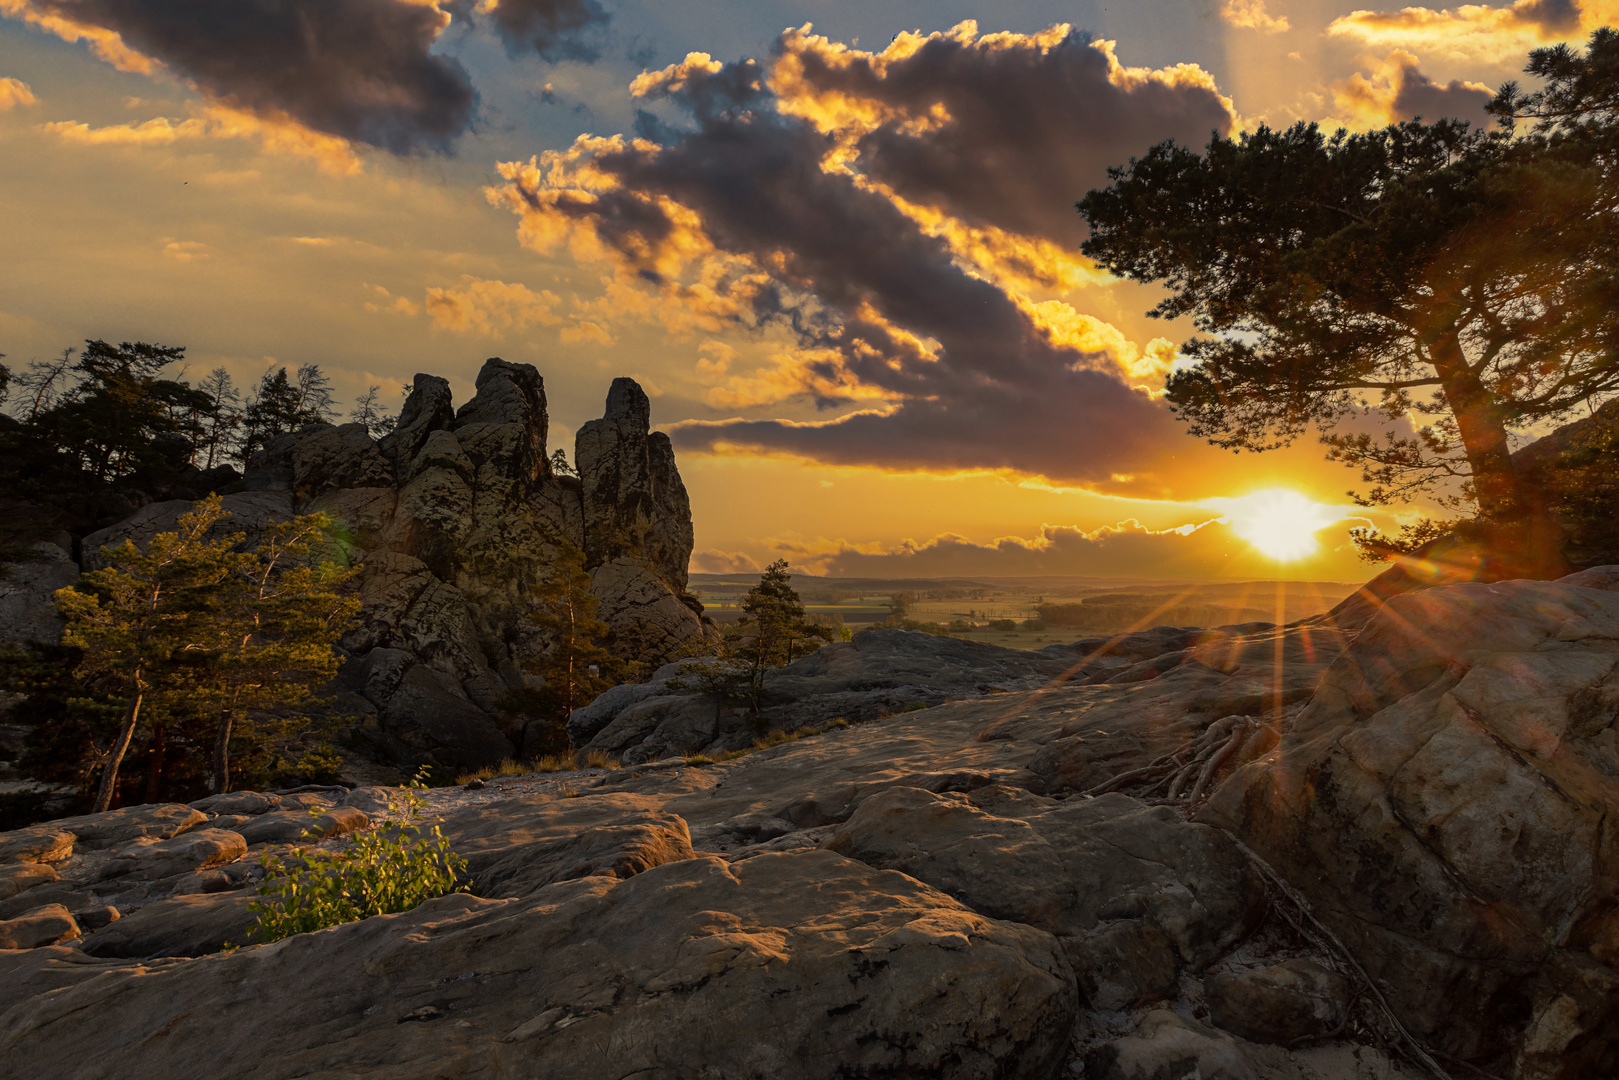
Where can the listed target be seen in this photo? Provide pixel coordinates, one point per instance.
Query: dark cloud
(1417, 95)
(552, 29)
(1034, 120)
(1553, 16)
(358, 69)
(969, 378)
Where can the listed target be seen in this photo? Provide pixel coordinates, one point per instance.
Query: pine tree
(773, 630)
(575, 666)
(370, 412)
(133, 617)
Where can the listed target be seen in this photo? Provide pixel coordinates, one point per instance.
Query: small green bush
(380, 872)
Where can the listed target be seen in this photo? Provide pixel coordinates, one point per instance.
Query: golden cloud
(1251, 15)
(1477, 32)
(1397, 90)
(104, 43)
(15, 92)
(277, 136)
(185, 250)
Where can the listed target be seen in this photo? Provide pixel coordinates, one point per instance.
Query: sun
(1280, 523)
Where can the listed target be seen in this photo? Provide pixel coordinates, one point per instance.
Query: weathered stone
(427, 409)
(790, 966)
(1167, 1046)
(194, 850)
(22, 876)
(159, 821)
(70, 895)
(328, 458)
(430, 713)
(515, 848)
(28, 595)
(301, 826)
(36, 844)
(1134, 893)
(94, 918)
(178, 926)
(1444, 801)
(249, 512)
(645, 614)
(237, 802)
(43, 926)
(1282, 1004)
(377, 801)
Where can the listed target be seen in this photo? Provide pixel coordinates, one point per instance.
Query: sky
(835, 242)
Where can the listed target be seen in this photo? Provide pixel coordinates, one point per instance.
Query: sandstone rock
(427, 409)
(42, 926)
(19, 877)
(27, 595)
(879, 672)
(1167, 1046)
(159, 821)
(194, 850)
(35, 844)
(179, 926)
(361, 519)
(309, 800)
(237, 802)
(70, 895)
(293, 826)
(645, 613)
(634, 499)
(1283, 1004)
(515, 848)
(249, 512)
(94, 918)
(376, 801)
(1134, 893)
(790, 966)
(327, 458)
(30, 972)
(430, 713)
(1443, 802)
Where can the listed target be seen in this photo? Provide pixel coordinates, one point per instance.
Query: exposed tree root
(1185, 776)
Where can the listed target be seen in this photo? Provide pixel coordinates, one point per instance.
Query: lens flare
(1280, 523)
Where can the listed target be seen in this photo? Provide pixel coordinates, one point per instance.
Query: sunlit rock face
(454, 517)
(1447, 802)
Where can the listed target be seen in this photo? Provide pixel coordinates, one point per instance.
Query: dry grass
(549, 764)
(770, 739)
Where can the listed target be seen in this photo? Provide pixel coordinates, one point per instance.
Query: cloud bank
(867, 203)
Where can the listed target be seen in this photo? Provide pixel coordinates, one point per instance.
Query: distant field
(1073, 608)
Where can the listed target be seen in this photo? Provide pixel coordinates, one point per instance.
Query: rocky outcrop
(1446, 802)
(454, 517)
(1404, 847)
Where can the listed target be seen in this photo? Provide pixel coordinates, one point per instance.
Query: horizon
(558, 182)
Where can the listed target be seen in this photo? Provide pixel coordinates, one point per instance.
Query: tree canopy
(1462, 280)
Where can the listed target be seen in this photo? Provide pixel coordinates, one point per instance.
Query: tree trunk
(219, 782)
(154, 768)
(109, 775)
(1482, 426)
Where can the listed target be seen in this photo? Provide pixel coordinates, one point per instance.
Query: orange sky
(847, 272)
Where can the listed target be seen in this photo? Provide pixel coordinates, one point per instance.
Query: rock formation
(1256, 852)
(453, 518)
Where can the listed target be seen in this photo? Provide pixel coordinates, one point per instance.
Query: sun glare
(1280, 523)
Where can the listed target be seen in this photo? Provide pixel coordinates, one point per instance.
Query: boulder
(430, 714)
(518, 847)
(179, 926)
(42, 926)
(250, 512)
(1167, 1046)
(1444, 802)
(301, 826)
(237, 803)
(1283, 1004)
(1135, 894)
(327, 458)
(788, 966)
(194, 850)
(159, 821)
(36, 844)
(427, 409)
(21, 876)
(28, 595)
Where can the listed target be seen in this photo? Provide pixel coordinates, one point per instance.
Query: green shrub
(1033, 624)
(380, 872)
(1003, 625)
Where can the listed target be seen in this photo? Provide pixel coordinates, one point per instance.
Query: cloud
(219, 122)
(184, 250)
(489, 308)
(1199, 550)
(1251, 15)
(759, 217)
(359, 70)
(552, 29)
(1473, 31)
(1397, 90)
(1005, 130)
(715, 561)
(15, 92)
